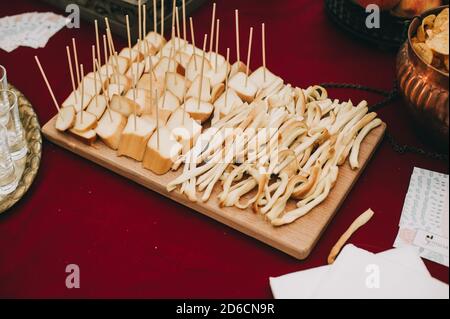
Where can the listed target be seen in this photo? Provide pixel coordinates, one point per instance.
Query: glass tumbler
(8, 179)
(9, 117)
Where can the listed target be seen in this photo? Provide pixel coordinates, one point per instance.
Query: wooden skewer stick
(139, 20)
(173, 13)
(178, 28)
(357, 223)
(162, 23)
(155, 25)
(95, 78)
(249, 53)
(109, 34)
(127, 22)
(193, 40)
(201, 71)
(184, 20)
(105, 52)
(238, 51)
(46, 82)
(75, 54)
(144, 21)
(217, 44)
(165, 78)
(157, 119)
(263, 26)
(82, 94)
(71, 74)
(104, 90)
(213, 19)
(151, 79)
(226, 78)
(97, 42)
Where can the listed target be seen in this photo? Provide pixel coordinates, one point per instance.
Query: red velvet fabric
(131, 242)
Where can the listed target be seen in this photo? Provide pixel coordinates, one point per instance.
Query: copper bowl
(424, 88)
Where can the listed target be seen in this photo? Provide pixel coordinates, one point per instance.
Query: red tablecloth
(131, 242)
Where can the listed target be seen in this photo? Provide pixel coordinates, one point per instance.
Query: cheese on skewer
(135, 136)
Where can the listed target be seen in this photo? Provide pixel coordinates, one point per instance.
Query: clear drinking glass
(8, 179)
(9, 117)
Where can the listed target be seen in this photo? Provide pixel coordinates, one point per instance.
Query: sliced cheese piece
(272, 89)
(110, 128)
(183, 58)
(97, 106)
(136, 69)
(135, 54)
(70, 101)
(140, 97)
(216, 92)
(232, 100)
(205, 94)
(87, 137)
(176, 84)
(160, 159)
(84, 121)
(199, 111)
(155, 60)
(144, 83)
(218, 75)
(135, 137)
(155, 39)
(167, 104)
(237, 67)
(257, 78)
(184, 129)
(245, 91)
(194, 67)
(65, 119)
(162, 67)
(124, 81)
(123, 105)
(114, 89)
(189, 49)
(121, 65)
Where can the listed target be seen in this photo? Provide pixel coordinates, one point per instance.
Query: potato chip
(446, 62)
(441, 19)
(438, 43)
(424, 52)
(427, 23)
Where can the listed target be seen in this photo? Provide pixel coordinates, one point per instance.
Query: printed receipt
(424, 222)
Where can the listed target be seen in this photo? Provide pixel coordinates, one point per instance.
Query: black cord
(389, 96)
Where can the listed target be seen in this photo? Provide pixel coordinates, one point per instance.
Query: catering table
(131, 242)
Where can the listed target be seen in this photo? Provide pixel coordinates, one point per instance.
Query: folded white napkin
(356, 273)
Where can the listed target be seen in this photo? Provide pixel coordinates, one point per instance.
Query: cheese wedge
(273, 88)
(106, 70)
(121, 65)
(135, 137)
(167, 104)
(110, 128)
(154, 59)
(135, 54)
(141, 98)
(237, 67)
(199, 112)
(174, 44)
(65, 119)
(87, 137)
(97, 106)
(189, 49)
(183, 58)
(114, 89)
(144, 83)
(162, 67)
(136, 68)
(123, 105)
(155, 39)
(246, 92)
(194, 67)
(84, 123)
(160, 160)
(89, 85)
(233, 100)
(70, 101)
(176, 85)
(125, 82)
(257, 78)
(218, 75)
(186, 131)
(205, 94)
(217, 91)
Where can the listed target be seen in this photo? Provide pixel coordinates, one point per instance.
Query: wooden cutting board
(296, 239)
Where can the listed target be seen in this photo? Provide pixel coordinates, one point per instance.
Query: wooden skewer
(263, 26)
(82, 94)
(172, 57)
(46, 82)
(201, 71)
(173, 13)
(104, 90)
(193, 40)
(97, 42)
(238, 51)
(95, 78)
(217, 43)
(75, 54)
(357, 223)
(226, 78)
(249, 53)
(144, 21)
(184, 20)
(178, 28)
(157, 119)
(127, 22)
(155, 13)
(162, 22)
(109, 34)
(139, 20)
(213, 19)
(165, 78)
(105, 52)
(151, 80)
(71, 74)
